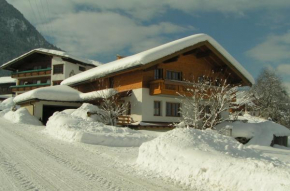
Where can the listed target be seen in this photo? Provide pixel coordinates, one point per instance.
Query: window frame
(173, 109)
(57, 69)
(158, 108)
(171, 75)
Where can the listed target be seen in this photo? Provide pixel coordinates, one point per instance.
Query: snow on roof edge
(53, 52)
(7, 80)
(63, 93)
(153, 54)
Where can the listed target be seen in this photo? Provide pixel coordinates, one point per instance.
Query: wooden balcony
(31, 73)
(169, 87)
(28, 87)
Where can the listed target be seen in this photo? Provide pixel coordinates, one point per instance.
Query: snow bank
(22, 116)
(208, 160)
(7, 104)
(260, 133)
(75, 126)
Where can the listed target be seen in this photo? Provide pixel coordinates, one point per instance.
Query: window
(82, 68)
(111, 82)
(157, 108)
(172, 109)
(172, 75)
(58, 69)
(158, 73)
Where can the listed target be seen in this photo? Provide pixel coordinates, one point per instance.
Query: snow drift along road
(212, 161)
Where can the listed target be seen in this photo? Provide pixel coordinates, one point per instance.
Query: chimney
(119, 57)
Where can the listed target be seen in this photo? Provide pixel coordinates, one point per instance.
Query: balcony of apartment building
(30, 84)
(36, 71)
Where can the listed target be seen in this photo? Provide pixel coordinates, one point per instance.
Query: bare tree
(205, 104)
(110, 106)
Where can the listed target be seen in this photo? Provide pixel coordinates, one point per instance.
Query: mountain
(17, 35)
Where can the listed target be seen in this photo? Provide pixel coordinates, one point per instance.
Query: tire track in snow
(77, 168)
(92, 170)
(11, 168)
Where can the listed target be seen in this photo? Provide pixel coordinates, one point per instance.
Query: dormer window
(173, 75)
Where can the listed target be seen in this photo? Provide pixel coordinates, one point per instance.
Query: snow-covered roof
(54, 53)
(62, 93)
(153, 54)
(7, 80)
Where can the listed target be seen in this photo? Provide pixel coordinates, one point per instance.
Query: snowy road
(31, 160)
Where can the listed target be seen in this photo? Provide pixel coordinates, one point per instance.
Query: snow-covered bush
(208, 160)
(205, 103)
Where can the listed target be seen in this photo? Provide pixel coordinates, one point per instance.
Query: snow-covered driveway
(31, 160)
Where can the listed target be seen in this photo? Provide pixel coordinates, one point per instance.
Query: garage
(48, 111)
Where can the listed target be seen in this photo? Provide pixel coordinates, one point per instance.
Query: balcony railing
(28, 87)
(29, 73)
(169, 87)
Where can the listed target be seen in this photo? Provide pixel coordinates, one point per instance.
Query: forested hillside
(17, 35)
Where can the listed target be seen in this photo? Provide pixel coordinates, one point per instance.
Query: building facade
(43, 67)
(157, 76)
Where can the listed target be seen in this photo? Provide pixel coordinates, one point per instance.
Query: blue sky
(255, 32)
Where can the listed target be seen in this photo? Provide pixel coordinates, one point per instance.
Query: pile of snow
(7, 104)
(76, 126)
(22, 116)
(208, 160)
(82, 111)
(260, 131)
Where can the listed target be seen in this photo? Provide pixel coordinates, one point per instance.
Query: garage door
(48, 111)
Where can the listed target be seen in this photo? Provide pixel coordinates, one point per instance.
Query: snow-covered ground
(33, 157)
(31, 160)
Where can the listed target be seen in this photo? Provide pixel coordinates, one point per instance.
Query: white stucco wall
(142, 106)
(68, 69)
(148, 107)
(136, 104)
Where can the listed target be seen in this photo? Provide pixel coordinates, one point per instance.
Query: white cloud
(283, 69)
(90, 27)
(287, 85)
(91, 33)
(274, 49)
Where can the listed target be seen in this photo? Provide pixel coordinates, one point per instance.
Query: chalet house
(44, 67)
(155, 76)
(5, 84)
